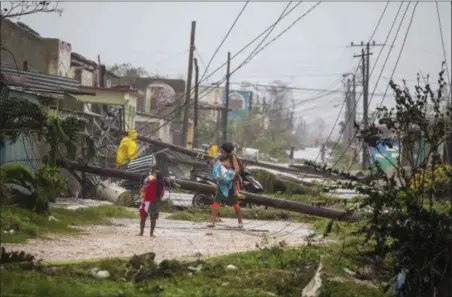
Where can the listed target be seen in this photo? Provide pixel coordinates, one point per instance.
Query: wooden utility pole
(196, 108)
(348, 113)
(226, 109)
(188, 85)
(291, 205)
(365, 62)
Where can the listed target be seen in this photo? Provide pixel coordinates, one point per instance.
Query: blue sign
(239, 103)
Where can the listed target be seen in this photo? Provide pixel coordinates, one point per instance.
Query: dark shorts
(154, 210)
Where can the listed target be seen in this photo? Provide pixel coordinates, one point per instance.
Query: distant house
(157, 100)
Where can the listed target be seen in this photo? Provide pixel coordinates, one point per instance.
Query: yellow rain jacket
(213, 150)
(127, 149)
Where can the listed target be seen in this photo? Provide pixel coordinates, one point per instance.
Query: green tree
(22, 118)
(411, 220)
(207, 132)
(127, 70)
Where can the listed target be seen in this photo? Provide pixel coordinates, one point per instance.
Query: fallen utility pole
(296, 169)
(194, 186)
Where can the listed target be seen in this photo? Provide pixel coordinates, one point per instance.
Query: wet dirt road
(175, 240)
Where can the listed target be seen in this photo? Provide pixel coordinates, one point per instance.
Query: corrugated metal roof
(36, 80)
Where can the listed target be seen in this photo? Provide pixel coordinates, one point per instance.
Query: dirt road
(175, 240)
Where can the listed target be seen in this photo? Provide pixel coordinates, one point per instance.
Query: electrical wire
(373, 68)
(384, 65)
(356, 103)
(266, 36)
(442, 42)
(224, 64)
(379, 21)
(224, 39)
(248, 59)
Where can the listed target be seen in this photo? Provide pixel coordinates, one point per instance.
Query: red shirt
(150, 192)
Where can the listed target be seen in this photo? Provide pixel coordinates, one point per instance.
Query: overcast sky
(314, 53)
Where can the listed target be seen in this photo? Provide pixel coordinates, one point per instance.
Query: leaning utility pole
(196, 108)
(188, 86)
(365, 62)
(226, 107)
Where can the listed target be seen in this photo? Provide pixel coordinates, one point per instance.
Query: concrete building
(22, 47)
(158, 106)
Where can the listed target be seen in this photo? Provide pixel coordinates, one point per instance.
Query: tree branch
(21, 8)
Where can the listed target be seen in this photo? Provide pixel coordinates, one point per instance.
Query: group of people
(226, 170)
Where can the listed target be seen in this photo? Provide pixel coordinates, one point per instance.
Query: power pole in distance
(348, 112)
(196, 107)
(226, 107)
(365, 59)
(188, 85)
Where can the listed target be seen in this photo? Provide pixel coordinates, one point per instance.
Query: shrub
(32, 191)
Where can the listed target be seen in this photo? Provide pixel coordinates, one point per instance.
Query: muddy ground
(175, 240)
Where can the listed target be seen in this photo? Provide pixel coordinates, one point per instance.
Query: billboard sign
(239, 103)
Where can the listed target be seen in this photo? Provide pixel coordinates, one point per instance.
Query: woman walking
(226, 172)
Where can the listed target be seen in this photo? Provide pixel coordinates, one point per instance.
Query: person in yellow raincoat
(213, 150)
(127, 149)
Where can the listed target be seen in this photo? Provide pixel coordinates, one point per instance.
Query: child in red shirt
(152, 193)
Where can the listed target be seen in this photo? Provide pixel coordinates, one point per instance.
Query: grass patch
(27, 224)
(267, 271)
(257, 213)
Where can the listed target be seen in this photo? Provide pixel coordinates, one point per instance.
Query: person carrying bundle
(226, 171)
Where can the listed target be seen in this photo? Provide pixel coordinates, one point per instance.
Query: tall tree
(127, 70)
(16, 9)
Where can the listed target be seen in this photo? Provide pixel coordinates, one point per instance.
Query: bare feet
(140, 234)
(152, 235)
(211, 226)
(240, 225)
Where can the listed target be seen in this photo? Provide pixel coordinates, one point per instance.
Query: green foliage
(432, 177)
(32, 191)
(27, 224)
(412, 227)
(267, 179)
(256, 213)
(127, 70)
(267, 271)
(207, 132)
(19, 116)
(50, 183)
